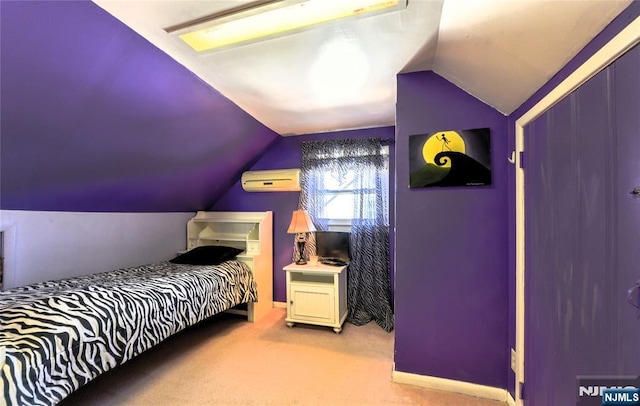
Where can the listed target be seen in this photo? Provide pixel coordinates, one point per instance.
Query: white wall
(42, 246)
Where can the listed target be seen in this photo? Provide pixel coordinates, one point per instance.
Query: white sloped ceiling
(343, 75)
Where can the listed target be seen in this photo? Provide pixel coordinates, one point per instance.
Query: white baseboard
(510, 400)
(449, 385)
(280, 305)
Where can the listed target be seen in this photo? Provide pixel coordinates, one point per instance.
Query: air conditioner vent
(278, 180)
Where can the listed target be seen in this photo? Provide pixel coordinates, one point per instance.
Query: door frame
(622, 42)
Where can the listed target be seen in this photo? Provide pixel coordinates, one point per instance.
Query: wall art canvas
(450, 158)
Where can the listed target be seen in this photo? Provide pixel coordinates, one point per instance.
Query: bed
(56, 336)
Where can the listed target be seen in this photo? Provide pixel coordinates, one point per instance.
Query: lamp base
(301, 242)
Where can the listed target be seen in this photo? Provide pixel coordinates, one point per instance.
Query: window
(339, 191)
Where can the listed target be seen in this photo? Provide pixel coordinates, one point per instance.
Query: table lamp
(301, 224)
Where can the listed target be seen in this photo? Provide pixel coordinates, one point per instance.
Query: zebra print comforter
(57, 336)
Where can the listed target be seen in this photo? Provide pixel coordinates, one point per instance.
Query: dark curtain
(364, 168)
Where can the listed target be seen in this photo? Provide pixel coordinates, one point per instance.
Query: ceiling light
(339, 72)
(270, 19)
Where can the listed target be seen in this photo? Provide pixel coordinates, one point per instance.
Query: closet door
(627, 122)
(582, 235)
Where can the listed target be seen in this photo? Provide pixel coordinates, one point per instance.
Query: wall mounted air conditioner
(278, 180)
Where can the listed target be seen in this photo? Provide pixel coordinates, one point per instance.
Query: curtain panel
(361, 165)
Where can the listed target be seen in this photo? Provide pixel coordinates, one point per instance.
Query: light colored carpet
(228, 361)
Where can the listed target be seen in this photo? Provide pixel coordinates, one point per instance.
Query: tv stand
(316, 294)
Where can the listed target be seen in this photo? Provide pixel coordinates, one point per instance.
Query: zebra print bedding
(57, 336)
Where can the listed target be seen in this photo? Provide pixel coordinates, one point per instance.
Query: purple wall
(451, 246)
(285, 153)
(95, 118)
(619, 23)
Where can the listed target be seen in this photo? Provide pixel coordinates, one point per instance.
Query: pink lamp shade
(300, 223)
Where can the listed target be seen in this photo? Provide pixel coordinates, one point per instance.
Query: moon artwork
(450, 158)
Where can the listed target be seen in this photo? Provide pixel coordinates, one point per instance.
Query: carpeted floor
(228, 361)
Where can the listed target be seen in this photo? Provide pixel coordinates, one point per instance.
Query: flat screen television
(333, 245)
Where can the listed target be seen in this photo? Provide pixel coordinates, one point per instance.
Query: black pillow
(207, 255)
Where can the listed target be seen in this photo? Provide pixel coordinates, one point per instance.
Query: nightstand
(316, 294)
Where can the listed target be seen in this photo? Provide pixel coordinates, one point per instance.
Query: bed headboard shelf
(250, 231)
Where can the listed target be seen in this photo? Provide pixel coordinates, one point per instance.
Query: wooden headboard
(250, 231)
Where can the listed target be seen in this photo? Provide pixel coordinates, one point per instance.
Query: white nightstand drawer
(312, 303)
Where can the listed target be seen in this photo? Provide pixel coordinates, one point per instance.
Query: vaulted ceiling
(343, 76)
(97, 116)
